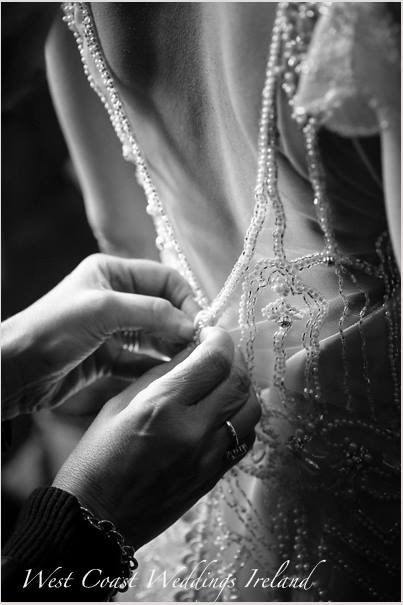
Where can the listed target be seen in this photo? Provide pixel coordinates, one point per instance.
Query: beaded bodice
(312, 300)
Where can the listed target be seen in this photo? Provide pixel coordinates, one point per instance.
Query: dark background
(44, 228)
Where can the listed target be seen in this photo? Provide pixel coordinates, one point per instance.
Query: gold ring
(131, 340)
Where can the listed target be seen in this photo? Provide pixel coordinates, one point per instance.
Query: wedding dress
(311, 295)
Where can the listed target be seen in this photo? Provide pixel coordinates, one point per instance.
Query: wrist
(32, 343)
(127, 561)
(50, 525)
(52, 532)
(101, 522)
(79, 484)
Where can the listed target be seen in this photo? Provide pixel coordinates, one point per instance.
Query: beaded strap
(128, 562)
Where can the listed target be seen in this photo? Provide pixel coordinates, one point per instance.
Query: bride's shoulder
(351, 73)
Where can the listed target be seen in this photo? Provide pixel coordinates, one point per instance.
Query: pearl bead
(280, 286)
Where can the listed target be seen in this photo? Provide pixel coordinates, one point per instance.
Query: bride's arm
(115, 203)
(391, 164)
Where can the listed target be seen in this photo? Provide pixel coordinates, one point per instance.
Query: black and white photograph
(201, 302)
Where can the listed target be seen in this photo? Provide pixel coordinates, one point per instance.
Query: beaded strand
(123, 129)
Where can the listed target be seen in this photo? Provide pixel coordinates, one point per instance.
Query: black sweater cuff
(51, 533)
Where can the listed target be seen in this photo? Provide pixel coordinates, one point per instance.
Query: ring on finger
(131, 340)
(232, 432)
(240, 449)
(236, 453)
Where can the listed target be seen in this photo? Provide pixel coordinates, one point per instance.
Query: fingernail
(186, 329)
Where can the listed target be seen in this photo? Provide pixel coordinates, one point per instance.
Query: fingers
(139, 294)
(178, 291)
(146, 343)
(216, 465)
(229, 396)
(190, 380)
(131, 365)
(123, 311)
(243, 421)
(148, 278)
(230, 461)
(222, 441)
(128, 396)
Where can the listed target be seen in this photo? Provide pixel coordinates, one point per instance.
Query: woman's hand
(161, 444)
(72, 336)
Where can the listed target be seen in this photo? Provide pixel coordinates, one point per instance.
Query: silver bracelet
(128, 561)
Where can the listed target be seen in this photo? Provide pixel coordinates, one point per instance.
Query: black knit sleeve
(55, 555)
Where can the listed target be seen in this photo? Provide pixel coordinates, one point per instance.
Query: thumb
(199, 373)
(138, 312)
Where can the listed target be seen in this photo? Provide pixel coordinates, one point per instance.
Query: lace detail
(351, 75)
(317, 481)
